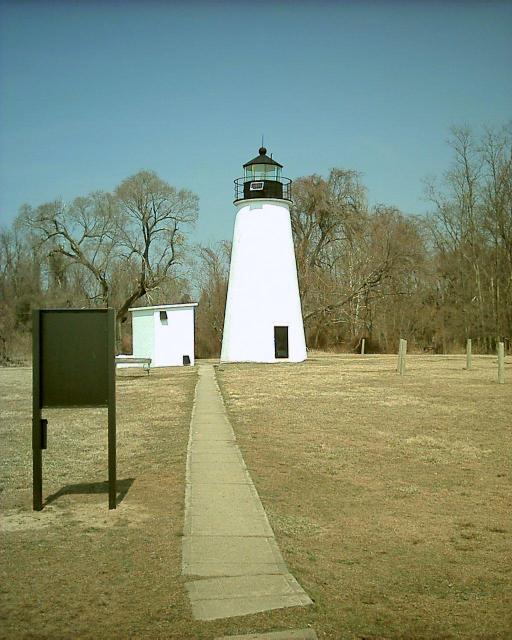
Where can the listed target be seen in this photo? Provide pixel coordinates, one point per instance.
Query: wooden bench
(145, 362)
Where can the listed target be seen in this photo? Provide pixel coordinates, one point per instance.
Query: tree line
(364, 272)
(380, 274)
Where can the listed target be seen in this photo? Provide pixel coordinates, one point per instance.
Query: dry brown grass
(77, 570)
(390, 497)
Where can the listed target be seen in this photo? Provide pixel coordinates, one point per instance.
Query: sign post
(37, 456)
(73, 366)
(112, 445)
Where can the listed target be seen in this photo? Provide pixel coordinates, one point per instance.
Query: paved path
(228, 542)
(299, 634)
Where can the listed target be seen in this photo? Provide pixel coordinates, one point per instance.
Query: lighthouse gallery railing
(241, 182)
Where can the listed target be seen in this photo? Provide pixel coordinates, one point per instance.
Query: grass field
(76, 570)
(390, 498)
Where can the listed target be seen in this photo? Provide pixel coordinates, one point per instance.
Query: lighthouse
(263, 320)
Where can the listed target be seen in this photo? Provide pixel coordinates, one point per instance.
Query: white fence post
(362, 346)
(468, 354)
(501, 363)
(399, 363)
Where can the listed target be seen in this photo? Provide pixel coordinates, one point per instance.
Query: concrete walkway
(299, 634)
(228, 542)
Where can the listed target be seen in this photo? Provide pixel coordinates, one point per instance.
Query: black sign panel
(75, 358)
(73, 366)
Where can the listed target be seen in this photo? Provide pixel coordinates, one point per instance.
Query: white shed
(164, 333)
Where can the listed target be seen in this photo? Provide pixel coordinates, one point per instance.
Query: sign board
(73, 366)
(75, 358)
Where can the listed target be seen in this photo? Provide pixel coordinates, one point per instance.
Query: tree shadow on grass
(122, 486)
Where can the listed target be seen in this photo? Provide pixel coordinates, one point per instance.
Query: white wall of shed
(175, 338)
(143, 334)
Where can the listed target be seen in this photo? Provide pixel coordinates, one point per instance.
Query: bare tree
(152, 222)
(212, 278)
(496, 150)
(345, 254)
(471, 227)
(20, 288)
(139, 229)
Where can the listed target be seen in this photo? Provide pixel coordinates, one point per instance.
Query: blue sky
(91, 92)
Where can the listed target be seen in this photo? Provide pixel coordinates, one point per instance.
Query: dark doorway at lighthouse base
(281, 342)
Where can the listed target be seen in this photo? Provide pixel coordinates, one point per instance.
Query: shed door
(281, 342)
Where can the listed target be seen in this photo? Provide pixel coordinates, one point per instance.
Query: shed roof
(164, 306)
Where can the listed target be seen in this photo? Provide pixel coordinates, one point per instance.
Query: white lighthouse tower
(263, 321)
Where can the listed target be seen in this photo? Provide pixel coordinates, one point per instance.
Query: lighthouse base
(263, 321)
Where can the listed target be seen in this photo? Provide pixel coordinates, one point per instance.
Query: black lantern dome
(262, 179)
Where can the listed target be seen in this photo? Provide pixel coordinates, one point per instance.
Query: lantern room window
(262, 172)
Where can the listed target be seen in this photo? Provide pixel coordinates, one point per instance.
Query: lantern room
(262, 179)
